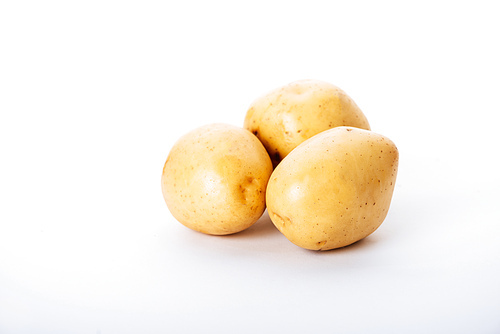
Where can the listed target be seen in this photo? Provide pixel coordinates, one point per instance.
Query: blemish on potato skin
(283, 220)
(320, 244)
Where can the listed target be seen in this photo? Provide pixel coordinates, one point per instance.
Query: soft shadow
(360, 245)
(263, 227)
(368, 242)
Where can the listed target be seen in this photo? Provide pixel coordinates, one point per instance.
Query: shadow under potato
(265, 227)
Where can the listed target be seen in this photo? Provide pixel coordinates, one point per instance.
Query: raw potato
(215, 178)
(334, 189)
(289, 115)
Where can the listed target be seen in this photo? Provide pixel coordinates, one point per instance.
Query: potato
(289, 115)
(215, 177)
(334, 189)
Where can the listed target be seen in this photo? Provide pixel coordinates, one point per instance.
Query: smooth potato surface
(287, 116)
(334, 189)
(214, 179)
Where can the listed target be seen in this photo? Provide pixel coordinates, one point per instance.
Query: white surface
(93, 95)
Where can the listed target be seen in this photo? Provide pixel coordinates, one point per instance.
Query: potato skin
(287, 116)
(334, 189)
(214, 179)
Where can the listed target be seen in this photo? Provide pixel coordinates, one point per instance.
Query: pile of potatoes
(306, 153)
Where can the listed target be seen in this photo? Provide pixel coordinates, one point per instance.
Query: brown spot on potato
(247, 188)
(320, 244)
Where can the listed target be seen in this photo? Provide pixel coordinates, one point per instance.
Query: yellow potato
(215, 178)
(334, 189)
(287, 116)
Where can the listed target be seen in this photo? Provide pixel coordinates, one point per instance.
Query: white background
(93, 94)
